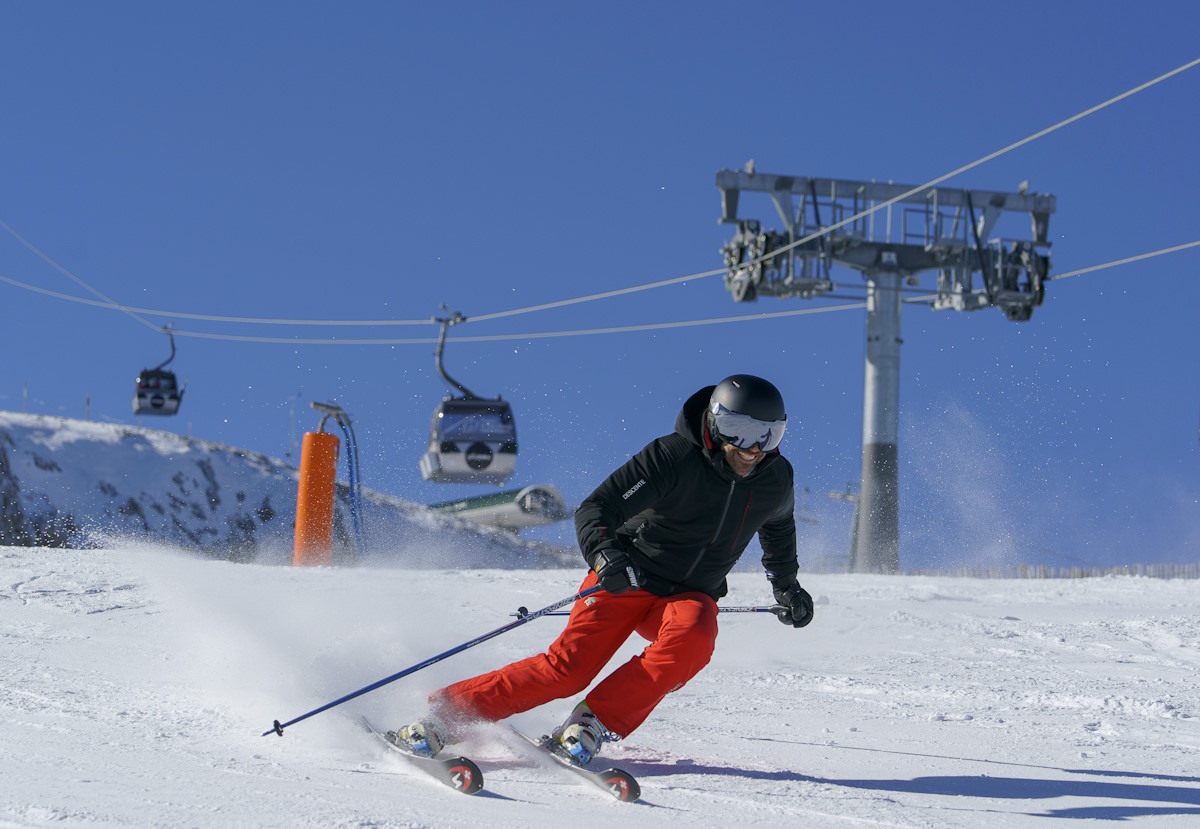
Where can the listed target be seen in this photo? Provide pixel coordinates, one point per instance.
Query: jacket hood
(690, 422)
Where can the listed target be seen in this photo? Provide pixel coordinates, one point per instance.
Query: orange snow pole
(314, 500)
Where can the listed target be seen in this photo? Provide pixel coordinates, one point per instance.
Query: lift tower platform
(891, 234)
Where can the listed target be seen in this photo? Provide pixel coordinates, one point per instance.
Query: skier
(660, 535)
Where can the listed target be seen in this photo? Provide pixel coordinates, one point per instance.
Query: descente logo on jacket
(633, 489)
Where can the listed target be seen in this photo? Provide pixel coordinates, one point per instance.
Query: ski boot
(581, 735)
(426, 737)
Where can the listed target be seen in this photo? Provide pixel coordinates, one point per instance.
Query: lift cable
(928, 298)
(659, 326)
(154, 312)
(873, 209)
(929, 185)
(112, 303)
(923, 298)
(1125, 261)
(619, 291)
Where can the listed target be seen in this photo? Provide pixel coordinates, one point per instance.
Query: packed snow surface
(135, 685)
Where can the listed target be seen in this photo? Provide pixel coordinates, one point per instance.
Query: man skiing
(660, 535)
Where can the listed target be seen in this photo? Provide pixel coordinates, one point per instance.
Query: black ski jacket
(684, 517)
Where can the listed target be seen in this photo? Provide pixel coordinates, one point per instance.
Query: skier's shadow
(488, 794)
(1037, 788)
(1178, 800)
(652, 769)
(1171, 778)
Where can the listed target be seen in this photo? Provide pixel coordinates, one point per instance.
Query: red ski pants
(681, 629)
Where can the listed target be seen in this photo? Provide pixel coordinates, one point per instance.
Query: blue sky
(375, 160)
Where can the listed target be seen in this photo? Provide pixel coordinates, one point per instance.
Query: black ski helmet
(744, 410)
(751, 396)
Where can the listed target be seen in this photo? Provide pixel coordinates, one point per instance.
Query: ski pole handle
(277, 727)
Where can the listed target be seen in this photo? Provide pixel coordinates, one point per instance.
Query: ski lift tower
(891, 234)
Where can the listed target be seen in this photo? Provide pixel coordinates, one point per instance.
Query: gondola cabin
(156, 393)
(471, 440)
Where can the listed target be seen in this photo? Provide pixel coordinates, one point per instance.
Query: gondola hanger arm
(446, 322)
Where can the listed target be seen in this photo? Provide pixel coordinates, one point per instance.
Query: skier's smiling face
(742, 461)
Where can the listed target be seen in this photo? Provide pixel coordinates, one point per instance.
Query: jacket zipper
(716, 535)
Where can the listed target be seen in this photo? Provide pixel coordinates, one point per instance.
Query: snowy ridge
(77, 483)
(134, 684)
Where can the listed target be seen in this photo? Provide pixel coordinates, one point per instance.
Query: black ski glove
(795, 606)
(616, 571)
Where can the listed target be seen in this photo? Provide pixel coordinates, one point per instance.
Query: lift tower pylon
(836, 222)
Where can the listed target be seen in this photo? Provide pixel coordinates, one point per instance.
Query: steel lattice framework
(891, 234)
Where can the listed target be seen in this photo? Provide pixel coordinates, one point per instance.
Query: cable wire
(619, 291)
(1091, 268)
(52, 263)
(659, 326)
(621, 329)
(1125, 261)
(920, 188)
(590, 297)
(153, 312)
(535, 335)
(873, 209)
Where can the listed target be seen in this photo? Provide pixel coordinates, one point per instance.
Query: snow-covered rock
(78, 483)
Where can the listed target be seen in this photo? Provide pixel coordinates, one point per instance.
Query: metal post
(876, 547)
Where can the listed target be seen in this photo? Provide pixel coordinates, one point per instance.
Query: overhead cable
(929, 185)
(635, 288)
(50, 261)
(654, 326)
(622, 329)
(1125, 261)
(874, 208)
(536, 335)
(206, 317)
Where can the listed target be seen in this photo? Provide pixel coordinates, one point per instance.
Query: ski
(617, 782)
(458, 773)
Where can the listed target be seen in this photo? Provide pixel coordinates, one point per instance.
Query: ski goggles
(744, 431)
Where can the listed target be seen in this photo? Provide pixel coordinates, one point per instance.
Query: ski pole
(277, 727)
(522, 612)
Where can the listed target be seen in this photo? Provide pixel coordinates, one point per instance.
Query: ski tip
(463, 775)
(622, 785)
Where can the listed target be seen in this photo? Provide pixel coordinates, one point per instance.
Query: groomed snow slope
(135, 684)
